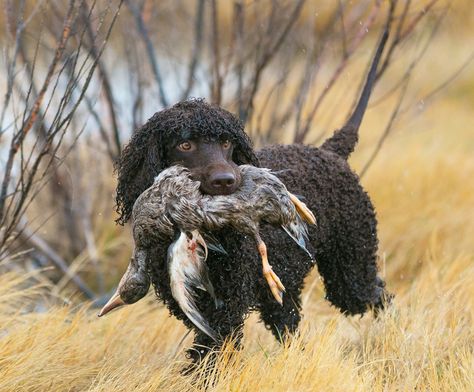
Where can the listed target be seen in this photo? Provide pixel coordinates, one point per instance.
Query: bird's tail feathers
(214, 244)
(298, 233)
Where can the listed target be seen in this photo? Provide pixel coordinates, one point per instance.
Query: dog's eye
(226, 144)
(186, 146)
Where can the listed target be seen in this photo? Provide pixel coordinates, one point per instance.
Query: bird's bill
(113, 303)
(302, 209)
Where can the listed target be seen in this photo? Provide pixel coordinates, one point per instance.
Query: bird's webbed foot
(273, 281)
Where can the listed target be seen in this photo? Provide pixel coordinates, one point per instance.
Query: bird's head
(133, 286)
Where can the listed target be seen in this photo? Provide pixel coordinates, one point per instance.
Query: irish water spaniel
(211, 142)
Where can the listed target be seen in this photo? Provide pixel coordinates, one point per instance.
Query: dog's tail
(344, 140)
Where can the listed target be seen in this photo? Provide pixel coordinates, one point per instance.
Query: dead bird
(187, 270)
(174, 200)
(262, 197)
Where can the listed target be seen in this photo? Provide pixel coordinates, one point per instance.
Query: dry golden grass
(424, 342)
(424, 197)
(422, 187)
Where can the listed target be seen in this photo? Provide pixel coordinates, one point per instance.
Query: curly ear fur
(145, 155)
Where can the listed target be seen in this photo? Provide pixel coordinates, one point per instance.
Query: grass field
(423, 190)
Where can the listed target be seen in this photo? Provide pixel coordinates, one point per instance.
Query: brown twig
(387, 129)
(105, 80)
(239, 17)
(267, 54)
(11, 66)
(197, 48)
(301, 134)
(51, 141)
(152, 58)
(404, 85)
(42, 246)
(20, 136)
(216, 80)
(427, 97)
(400, 82)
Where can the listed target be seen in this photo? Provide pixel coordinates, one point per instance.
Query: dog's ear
(140, 162)
(243, 148)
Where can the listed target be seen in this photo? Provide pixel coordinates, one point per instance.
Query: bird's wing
(186, 301)
(202, 280)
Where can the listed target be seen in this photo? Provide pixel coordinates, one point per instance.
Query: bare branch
(265, 58)
(104, 77)
(149, 48)
(197, 48)
(239, 39)
(20, 136)
(301, 134)
(216, 81)
(448, 80)
(11, 66)
(387, 129)
(343, 30)
(49, 138)
(38, 243)
(405, 82)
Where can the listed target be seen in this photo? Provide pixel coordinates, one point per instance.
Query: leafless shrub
(43, 95)
(264, 43)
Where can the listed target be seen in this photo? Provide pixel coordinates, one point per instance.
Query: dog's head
(207, 139)
(210, 161)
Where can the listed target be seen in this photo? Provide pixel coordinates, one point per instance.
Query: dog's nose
(222, 181)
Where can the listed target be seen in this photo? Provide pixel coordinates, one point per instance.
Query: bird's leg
(272, 279)
(302, 209)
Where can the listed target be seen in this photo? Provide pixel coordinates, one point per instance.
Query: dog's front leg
(229, 326)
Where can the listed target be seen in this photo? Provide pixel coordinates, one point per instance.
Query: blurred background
(77, 77)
